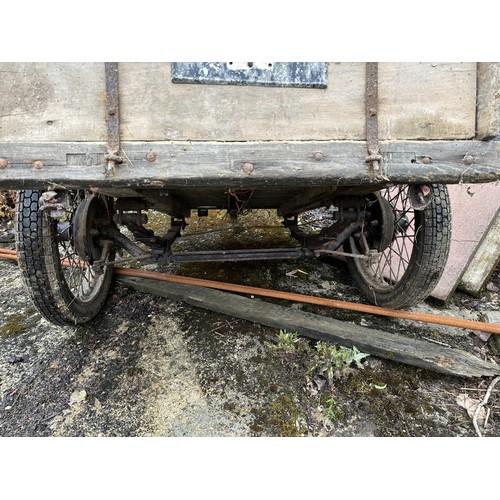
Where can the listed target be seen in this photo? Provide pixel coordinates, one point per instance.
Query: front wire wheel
(57, 249)
(407, 257)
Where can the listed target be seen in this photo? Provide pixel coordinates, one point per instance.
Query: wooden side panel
(417, 101)
(427, 100)
(488, 100)
(52, 102)
(65, 102)
(167, 111)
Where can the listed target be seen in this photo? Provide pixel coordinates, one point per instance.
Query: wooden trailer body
(198, 140)
(90, 147)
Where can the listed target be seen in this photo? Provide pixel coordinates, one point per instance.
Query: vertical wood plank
(488, 100)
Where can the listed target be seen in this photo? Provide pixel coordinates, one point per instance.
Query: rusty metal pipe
(7, 254)
(338, 304)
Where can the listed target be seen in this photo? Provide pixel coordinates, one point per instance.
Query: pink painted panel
(473, 207)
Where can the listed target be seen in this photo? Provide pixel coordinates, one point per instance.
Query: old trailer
(90, 148)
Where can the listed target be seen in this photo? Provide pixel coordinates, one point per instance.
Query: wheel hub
(383, 223)
(89, 217)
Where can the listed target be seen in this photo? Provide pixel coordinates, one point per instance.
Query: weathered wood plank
(486, 257)
(205, 164)
(427, 101)
(376, 342)
(416, 101)
(52, 102)
(488, 100)
(66, 102)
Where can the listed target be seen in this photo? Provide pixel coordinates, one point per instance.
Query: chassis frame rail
(163, 165)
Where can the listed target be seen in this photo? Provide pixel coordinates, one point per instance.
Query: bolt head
(3, 163)
(469, 159)
(318, 156)
(247, 168)
(425, 189)
(426, 160)
(38, 164)
(151, 157)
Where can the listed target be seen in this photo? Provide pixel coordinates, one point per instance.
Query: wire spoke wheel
(406, 250)
(58, 247)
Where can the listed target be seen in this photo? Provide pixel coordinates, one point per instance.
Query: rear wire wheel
(409, 253)
(57, 264)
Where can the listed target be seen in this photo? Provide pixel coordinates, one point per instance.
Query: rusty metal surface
(372, 144)
(239, 255)
(112, 114)
(269, 74)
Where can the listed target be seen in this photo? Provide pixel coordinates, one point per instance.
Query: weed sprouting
(325, 353)
(332, 362)
(340, 357)
(332, 410)
(290, 342)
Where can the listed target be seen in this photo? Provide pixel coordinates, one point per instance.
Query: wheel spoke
(392, 264)
(413, 246)
(80, 278)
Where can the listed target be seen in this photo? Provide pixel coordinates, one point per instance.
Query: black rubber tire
(64, 295)
(430, 234)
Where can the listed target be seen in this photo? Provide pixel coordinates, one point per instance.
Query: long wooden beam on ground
(376, 342)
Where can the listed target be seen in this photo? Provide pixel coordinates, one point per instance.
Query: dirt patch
(148, 366)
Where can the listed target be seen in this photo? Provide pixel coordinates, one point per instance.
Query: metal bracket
(420, 196)
(112, 117)
(374, 158)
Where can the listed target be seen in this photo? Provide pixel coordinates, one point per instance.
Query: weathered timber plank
(52, 102)
(416, 101)
(486, 257)
(415, 104)
(66, 102)
(192, 164)
(488, 100)
(385, 345)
